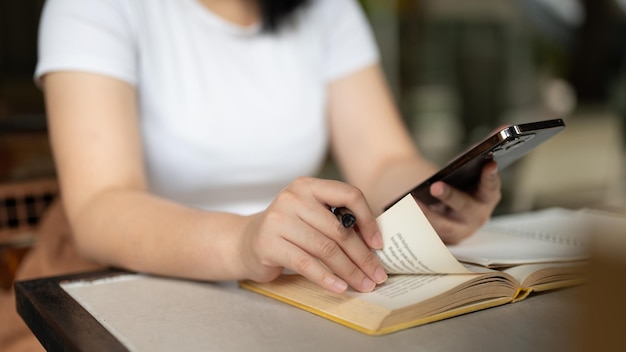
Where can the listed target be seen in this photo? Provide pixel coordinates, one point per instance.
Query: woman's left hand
(460, 214)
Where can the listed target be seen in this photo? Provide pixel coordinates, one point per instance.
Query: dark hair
(276, 12)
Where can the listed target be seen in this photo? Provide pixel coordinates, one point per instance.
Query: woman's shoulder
(331, 9)
(96, 36)
(78, 7)
(102, 13)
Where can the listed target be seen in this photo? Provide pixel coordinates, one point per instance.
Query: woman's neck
(241, 12)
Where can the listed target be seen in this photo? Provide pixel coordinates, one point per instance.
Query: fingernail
(379, 275)
(377, 240)
(338, 286)
(439, 190)
(493, 172)
(367, 285)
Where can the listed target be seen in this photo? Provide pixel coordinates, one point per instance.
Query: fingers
(344, 195)
(301, 233)
(312, 269)
(342, 254)
(341, 249)
(460, 213)
(449, 230)
(490, 184)
(452, 199)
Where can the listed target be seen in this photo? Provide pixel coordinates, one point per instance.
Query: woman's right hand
(299, 232)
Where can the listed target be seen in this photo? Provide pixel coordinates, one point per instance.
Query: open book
(503, 262)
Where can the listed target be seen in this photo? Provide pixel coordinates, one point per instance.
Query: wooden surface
(58, 321)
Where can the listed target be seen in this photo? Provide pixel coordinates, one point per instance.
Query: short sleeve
(90, 36)
(350, 44)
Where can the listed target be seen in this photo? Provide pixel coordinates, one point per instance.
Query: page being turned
(411, 245)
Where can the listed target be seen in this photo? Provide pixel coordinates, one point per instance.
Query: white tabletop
(157, 314)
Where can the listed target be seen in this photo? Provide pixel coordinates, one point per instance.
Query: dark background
(458, 69)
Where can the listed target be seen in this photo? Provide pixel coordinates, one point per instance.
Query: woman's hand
(299, 232)
(460, 214)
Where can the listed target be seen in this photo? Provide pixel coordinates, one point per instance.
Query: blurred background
(458, 70)
(461, 68)
(24, 150)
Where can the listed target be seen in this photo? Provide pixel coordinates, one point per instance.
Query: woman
(175, 145)
(187, 132)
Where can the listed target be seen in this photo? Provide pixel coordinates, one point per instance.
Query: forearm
(137, 231)
(95, 135)
(395, 178)
(370, 142)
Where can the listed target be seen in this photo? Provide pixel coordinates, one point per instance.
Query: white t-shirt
(229, 115)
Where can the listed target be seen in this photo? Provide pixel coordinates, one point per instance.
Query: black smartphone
(504, 147)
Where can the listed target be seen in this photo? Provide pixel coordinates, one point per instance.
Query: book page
(536, 274)
(404, 290)
(411, 245)
(550, 235)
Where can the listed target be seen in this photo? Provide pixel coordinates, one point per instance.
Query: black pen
(343, 214)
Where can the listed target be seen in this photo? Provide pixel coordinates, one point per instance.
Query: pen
(343, 214)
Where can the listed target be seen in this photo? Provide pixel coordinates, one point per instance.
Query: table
(154, 313)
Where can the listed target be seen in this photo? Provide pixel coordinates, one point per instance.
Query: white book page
(411, 245)
(549, 235)
(522, 272)
(403, 290)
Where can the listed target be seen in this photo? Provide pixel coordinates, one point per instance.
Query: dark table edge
(57, 320)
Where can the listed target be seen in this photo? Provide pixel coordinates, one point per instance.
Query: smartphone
(504, 146)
